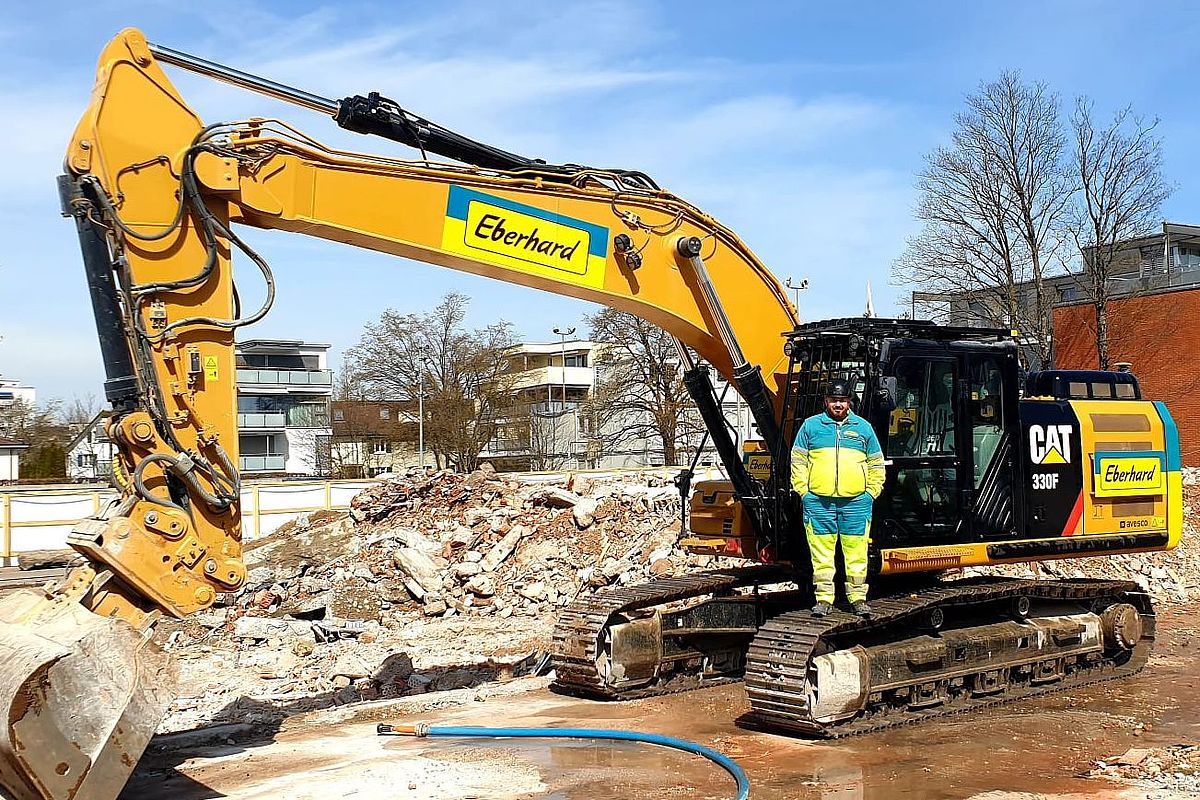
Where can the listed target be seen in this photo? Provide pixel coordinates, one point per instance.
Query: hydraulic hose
(720, 759)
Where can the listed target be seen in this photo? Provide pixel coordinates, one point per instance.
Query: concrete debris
(432, 581)
(502, 549)
(436, 580)
(1175, 769)
(584, 513)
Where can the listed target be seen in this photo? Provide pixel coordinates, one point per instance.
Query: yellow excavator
(985, 466)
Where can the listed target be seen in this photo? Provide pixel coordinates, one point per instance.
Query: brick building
(1155, 333)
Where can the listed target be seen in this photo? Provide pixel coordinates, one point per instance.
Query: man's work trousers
(826, 520)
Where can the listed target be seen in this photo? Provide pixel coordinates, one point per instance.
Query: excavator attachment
(81, 696)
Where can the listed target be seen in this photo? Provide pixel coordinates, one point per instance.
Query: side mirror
(885, 395)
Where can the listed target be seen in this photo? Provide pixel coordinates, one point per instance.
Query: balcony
(285, 377)
(262, 420)
(262, 463)
(573, 377)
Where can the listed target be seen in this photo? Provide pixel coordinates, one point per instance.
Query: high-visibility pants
(828, 520)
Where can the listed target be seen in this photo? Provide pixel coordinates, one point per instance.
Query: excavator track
(579, 643)
(783, 681)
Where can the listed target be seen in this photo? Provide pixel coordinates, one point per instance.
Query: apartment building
(11, 391)
(284, 391)
(1155, 263)
(373, 437)
(549, 425)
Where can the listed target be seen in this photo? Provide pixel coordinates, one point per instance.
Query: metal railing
(262, 419)
(270, 463)
(275, 377)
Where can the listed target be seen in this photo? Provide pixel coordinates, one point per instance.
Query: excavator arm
(156, 195)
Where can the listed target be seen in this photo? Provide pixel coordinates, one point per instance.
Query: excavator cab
(985, 464)
(943, 402)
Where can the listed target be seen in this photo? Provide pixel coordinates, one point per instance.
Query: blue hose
(720, 759)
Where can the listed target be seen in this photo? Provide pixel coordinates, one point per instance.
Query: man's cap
(838, 388)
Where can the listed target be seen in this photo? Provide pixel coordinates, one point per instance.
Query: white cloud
(589, 83)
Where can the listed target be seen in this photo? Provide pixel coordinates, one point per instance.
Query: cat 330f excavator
(980, 470)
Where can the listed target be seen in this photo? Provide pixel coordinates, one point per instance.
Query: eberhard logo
(524, 238)
(517, 235)
(1130, 474)
(1050, 444)
(1117, 474)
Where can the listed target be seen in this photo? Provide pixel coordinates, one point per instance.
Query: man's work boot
(862, 609)
(821, 609)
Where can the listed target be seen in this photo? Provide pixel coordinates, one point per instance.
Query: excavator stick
(81, 696)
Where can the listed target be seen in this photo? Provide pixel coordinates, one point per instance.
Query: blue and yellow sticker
(1128, 474)
(516, 236)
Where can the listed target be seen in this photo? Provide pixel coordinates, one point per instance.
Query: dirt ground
(1061, 746)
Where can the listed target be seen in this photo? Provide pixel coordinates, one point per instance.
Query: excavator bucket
(81, 696)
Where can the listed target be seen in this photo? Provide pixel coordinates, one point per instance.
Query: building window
(576, 360)
(1068, 294)
(385, 413)
(1187, 259)
(279, 361)
(339, 415)
(381, 446)
(267, 445)
(85, 460)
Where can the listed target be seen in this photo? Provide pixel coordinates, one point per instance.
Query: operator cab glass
(942, 402)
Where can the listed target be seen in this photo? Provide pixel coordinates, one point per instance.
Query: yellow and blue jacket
(837, 459)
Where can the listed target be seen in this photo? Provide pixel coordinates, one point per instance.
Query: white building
(284, 389)
(10, 459)
(11, 391)
(549, 427)
(90, 454)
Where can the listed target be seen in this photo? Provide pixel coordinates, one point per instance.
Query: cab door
(949, 445)
(924, 443)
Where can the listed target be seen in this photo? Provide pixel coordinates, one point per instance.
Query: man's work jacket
(837, 459)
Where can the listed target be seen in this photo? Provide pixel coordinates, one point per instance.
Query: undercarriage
(947, 648)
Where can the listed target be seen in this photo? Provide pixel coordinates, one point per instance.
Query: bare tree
(463, 374)
(39, 426)
(81, 410)
(1121, 191)
(639, 389)
(992, 204)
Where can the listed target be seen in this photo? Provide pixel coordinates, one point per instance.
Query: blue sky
(799, 125)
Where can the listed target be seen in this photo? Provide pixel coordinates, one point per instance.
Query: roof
(902, 328)
(87, 429)
(551, 348)
(278, 344)
(9, 444)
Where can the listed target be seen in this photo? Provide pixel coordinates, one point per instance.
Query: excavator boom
(156, 194)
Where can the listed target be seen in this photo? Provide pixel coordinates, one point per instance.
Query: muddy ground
(1061, 746)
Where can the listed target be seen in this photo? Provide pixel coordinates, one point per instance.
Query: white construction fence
(40, 517)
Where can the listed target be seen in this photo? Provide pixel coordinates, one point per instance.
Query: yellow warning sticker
(210, 368)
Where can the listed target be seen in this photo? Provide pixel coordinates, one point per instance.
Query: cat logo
(1050, 444)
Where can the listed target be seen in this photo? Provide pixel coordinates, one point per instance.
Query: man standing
(838, 471)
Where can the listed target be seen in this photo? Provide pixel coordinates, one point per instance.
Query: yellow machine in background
(157, 195)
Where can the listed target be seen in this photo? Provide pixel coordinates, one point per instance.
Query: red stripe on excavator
(1072, 526)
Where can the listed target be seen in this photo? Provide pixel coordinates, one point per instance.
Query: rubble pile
(445, 544)
(431, 581)
(1175, 768)
(1171, 577)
